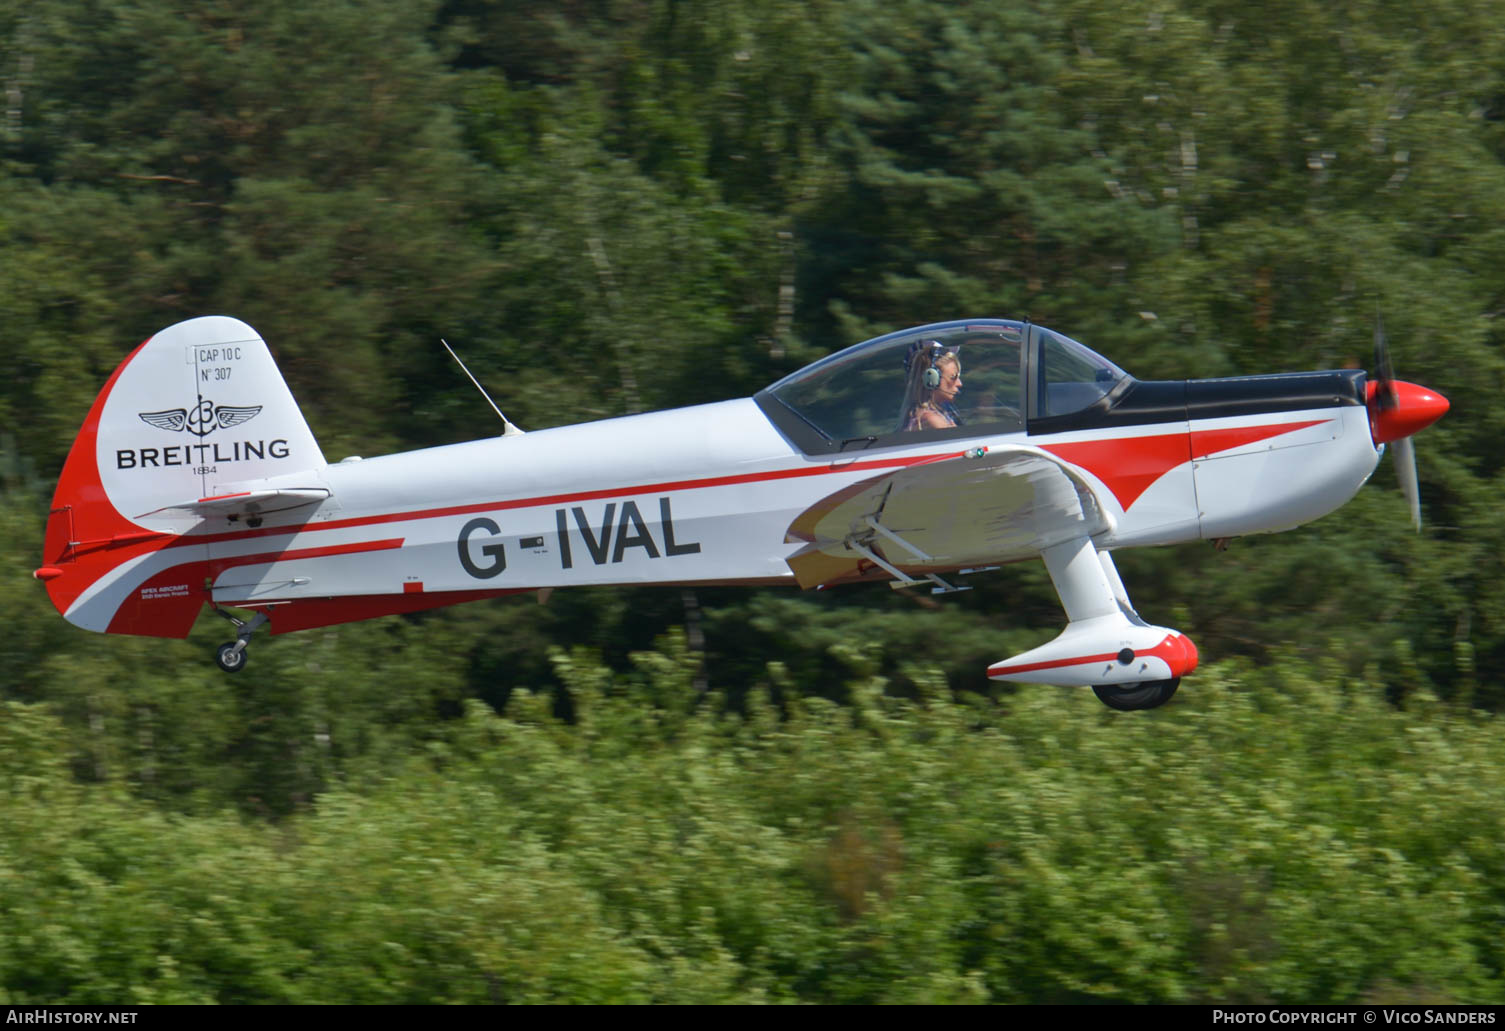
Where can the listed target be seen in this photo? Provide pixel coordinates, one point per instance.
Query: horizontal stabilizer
(246, 504)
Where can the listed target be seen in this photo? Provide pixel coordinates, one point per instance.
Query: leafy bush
(1264, 838)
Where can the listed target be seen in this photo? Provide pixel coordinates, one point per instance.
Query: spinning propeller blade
(1405, 472)
(1396, 411)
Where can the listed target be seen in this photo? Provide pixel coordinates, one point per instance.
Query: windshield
(933, 378)
(1070, 376)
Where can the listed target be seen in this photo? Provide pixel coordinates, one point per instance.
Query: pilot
(933, 376)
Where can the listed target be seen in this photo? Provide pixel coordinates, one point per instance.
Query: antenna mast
(508, 430)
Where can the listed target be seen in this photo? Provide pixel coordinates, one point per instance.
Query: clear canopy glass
(1070, 377)
(945, 376)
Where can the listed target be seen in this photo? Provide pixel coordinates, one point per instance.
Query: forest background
(716, 795)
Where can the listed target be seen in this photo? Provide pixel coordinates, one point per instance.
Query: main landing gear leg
(1128, 663)
(231, 656)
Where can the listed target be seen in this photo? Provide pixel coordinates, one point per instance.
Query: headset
(932, 378)
(932, 374)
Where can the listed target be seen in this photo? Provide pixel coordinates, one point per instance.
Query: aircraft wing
(985, 506)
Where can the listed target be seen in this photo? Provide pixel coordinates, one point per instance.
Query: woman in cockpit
(933, 376)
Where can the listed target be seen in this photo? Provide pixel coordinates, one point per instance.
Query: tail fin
(193, 410)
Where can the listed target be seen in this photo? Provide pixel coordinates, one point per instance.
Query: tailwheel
(231, 656)
(1134, 697)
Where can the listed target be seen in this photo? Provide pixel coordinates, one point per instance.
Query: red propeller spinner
(1405, 408)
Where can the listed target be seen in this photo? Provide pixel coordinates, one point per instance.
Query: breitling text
(197, 454)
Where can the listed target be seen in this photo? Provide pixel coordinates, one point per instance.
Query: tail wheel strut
(231, 656)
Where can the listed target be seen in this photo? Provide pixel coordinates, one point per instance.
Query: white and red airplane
(918, 455)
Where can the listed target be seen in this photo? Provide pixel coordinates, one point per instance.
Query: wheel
(230, 660)
(1133, 697)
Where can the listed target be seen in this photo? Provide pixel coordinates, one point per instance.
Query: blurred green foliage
(1266, 839)
(617, 205)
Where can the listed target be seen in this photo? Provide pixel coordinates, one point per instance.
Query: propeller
(1397, 410)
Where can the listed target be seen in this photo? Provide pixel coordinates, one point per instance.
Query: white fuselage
(706, 494)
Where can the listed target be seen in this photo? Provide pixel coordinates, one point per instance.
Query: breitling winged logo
(201, 420)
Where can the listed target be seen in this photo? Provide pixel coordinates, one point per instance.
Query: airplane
(918, 458)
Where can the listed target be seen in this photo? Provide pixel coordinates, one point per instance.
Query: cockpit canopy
(947, 379)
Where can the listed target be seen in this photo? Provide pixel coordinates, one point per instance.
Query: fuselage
(706, 494)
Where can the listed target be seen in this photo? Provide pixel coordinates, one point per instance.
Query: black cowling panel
(1288, 392)
(1147, 402)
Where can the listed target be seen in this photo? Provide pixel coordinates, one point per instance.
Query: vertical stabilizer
(199, 405)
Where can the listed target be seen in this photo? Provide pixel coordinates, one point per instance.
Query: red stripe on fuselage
(1210, 442)
(1128, 466)
(308, 613)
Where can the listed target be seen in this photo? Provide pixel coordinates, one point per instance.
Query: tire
(1135, 697)
(230, 660)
